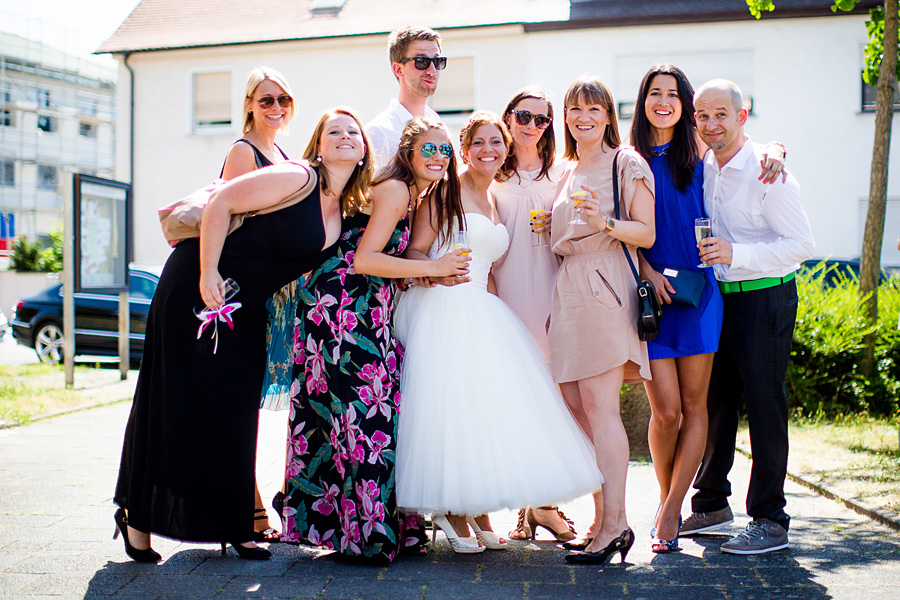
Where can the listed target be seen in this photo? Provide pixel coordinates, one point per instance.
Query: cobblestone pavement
(56, 525)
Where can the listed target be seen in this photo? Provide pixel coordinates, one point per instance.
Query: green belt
(729, 287)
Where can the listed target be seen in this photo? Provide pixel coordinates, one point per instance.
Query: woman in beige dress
(526, 274)
(594, 345)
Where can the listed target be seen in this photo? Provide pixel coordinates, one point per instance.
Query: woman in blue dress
(664, 133)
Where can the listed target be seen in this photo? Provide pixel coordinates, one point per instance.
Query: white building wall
(803, 75)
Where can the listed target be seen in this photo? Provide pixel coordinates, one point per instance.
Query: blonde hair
(256, 77)
(357, 191)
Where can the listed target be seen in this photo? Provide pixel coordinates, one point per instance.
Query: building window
(47, 179)
(87, 130)
(870, 97)
(8, 173)
(46, 124)
(212, 100)
(42, 97)
(456, 93)
(6, 118)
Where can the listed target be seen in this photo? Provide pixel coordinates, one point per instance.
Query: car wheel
(48, 343)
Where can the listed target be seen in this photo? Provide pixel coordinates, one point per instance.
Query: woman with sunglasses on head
(472, 370)
(339, 488)
(664, 133)
(593, 337)
(190, 444)
(268, 108)
(524, 186)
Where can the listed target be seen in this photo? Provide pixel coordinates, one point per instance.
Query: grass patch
(856, 455)
(28, 391)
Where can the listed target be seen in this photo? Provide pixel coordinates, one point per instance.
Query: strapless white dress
(482, 425)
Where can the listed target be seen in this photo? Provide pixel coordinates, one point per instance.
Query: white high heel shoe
(488, 538)
(468, 545)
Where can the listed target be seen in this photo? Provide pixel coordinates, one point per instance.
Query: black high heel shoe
(141, 556)
(621, 544)
(278, 502)
(248, 553)
(268, 535)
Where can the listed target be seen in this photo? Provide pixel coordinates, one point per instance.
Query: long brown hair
(591, 90)
(546, 146)
(401, 169)
(357, 193)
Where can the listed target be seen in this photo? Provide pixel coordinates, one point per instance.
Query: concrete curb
(61, 413)
(884, 517)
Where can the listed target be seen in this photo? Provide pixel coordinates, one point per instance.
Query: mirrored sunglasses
(422, 62)
(428, 150)
(523, 118)
(284, 101)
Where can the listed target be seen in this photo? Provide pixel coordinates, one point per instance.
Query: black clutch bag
(688, 285)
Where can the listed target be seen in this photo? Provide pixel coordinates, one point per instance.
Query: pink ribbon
(214, 315)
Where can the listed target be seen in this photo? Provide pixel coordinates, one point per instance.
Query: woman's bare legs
(678, 427)
(598, 402)
(572, 396)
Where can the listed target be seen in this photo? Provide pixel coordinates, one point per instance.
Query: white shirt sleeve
(782, 211)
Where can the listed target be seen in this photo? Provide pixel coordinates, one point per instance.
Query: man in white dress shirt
(761, 233)
(416, 61)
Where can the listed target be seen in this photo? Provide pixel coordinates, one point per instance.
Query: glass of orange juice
(536, 210)
(577, 196)
(461, 241)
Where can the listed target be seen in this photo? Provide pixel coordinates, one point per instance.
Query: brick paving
(57, 478)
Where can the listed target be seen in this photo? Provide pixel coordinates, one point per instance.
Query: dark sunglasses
(428, 150)
(284, 101)
(422, 62)
(523, 118)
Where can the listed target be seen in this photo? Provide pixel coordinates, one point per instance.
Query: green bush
(824, 377)
(28, 256)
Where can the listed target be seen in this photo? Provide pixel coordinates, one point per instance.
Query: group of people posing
(425, 299)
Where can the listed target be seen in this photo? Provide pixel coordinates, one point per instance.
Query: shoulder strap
(637, 277)
(282, 152)
(296, 197)
(256, 154)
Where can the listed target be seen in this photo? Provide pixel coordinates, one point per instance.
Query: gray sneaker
(702, 522)
(761, 535)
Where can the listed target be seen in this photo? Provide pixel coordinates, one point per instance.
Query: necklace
(660, 152)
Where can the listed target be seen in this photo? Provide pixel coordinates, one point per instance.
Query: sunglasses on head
(428, 150)
(284, 101)
(422, 62)
(523, 118)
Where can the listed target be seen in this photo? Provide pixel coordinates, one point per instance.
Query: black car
(837, 268)
(37, 320)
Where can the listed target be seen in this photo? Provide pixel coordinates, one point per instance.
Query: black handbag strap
(634, 271)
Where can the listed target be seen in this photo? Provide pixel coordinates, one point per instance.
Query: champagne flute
(577, 196)
(702, 230)
(537, 207)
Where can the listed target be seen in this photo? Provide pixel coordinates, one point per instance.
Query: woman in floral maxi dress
(339, 489)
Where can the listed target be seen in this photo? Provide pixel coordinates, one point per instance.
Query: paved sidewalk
(57, 478)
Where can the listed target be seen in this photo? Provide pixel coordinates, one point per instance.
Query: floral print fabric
(345, 399)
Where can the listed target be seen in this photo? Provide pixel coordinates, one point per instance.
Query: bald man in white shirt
(761, 234)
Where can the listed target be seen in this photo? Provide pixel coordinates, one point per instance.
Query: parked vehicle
(37, 321)
(836, 268)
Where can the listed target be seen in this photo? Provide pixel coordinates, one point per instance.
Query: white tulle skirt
(482, 424)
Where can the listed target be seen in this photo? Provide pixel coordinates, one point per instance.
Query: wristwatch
(610, 224)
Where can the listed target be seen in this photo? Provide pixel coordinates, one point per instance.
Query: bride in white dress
(470, 366)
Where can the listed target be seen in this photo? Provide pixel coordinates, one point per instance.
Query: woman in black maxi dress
(190, 444)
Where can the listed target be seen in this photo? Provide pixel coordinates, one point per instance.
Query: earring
(361, 161)
(319, 158)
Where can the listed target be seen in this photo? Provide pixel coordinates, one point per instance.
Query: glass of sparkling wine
(461, 240)
(577, 196)
(536, 208)
(702, 229)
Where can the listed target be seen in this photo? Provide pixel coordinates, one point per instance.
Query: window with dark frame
(870, 97)
(87, 130)
(42, 97)
(46, 124)
(8, 173)
(6, 118)
(47, 177)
